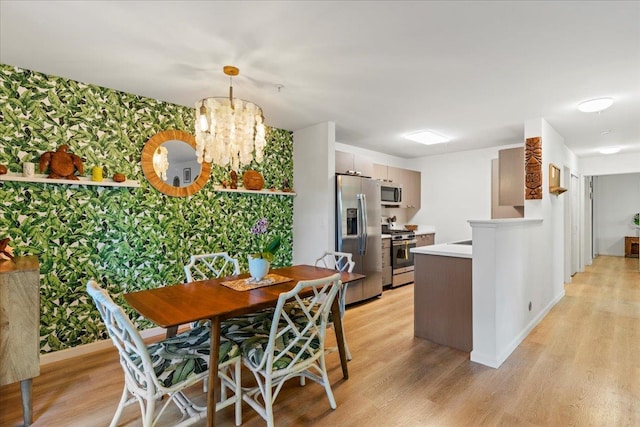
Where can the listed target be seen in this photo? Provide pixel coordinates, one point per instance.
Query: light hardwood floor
(580, 366)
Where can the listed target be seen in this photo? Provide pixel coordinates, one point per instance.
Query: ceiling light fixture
(595, 105)
(229, 131)
(609, 150)
(427, 137)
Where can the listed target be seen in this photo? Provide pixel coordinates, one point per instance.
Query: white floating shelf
(82, 180)
(265, 191)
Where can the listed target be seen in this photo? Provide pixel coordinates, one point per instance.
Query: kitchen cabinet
(511, 177)
(410, 180)
(386, 262)
(442, 301)
(346, 162)
(498, 211)
(20, 326)
(411, 189)
(380, 172)
(425, 239)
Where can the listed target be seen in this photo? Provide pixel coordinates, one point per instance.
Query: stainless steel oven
(402, 258)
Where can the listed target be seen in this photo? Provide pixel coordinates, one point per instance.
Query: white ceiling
(475, 71)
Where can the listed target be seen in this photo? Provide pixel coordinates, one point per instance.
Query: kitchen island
(442, 294)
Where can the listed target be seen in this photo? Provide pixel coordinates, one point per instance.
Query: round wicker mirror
(153, 177)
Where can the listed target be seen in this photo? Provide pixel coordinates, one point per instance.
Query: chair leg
(147, 416)
(238, 392)
(327, 384)
(121, 405)
(268, 403)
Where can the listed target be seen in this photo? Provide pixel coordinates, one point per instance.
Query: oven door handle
(402, 242)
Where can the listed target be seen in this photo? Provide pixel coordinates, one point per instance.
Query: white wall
(551, 208)
(616, 201)
(456, 187)
(517, 262)
(314, 183)
(610, 164)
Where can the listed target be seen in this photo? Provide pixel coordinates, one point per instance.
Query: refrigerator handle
(362, 201)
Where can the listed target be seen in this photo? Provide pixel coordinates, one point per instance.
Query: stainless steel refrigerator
(358, 232)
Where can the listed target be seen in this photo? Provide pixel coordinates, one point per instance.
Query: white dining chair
(168, 367)
(288, 343)
(207, 266)
(340, 261)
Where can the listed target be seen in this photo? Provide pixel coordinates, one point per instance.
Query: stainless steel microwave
(390, 193)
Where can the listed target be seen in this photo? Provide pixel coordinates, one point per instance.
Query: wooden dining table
(171, 306)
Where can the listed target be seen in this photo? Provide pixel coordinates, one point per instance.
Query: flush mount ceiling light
(228, 130)
(427, 137)
(609, 150)
(595, 105)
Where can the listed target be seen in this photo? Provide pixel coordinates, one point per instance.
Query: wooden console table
(631, 246)
(20, 326)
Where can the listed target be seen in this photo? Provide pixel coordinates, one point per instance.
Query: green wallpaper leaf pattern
(126, 238)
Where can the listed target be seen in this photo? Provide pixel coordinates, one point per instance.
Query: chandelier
(229, 131)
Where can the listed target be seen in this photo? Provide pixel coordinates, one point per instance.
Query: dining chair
(168, 367)
(207, 266)
(288, 343)
(340, 261)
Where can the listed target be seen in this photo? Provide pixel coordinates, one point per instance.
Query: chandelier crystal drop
(229, 131)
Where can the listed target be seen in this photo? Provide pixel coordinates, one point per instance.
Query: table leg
(27, 404)
(337, 326)
(213, 371)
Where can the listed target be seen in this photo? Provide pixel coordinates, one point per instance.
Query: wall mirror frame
(149, 172)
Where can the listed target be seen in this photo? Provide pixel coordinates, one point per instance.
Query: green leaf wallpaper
(126, 238)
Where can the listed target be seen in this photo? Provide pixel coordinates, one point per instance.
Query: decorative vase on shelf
(258, 268)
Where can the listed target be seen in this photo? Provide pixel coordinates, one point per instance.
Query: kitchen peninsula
(442, 294)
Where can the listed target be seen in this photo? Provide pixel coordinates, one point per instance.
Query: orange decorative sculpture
(5, 251)
(533, 169)
(252, 180)
(61, 164)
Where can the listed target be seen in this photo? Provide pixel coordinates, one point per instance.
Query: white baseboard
(93, 347)
(494, 361)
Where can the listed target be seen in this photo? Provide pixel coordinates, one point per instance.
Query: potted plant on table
(260, 261)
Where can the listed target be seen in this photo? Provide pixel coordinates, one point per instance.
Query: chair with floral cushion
(168, 367)
(340, 261)
(207, 266)
(287, 342)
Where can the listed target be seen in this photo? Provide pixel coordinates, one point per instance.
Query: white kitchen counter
(444, 249)
(386, 236)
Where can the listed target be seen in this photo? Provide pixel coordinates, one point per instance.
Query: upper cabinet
(350, 163)
(409, 179)
(380, 172)
(388, 173)
(511, 177)
(411, 189)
